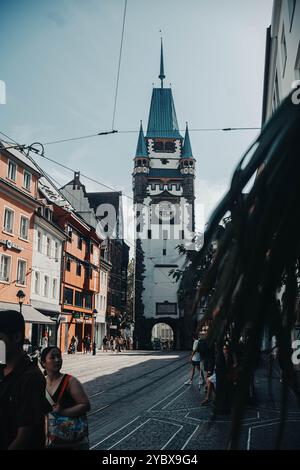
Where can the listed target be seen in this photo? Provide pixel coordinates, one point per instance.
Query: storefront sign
(10, 245)
(77, 315)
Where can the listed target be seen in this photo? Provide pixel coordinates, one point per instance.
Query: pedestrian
(111, 343)
(84, 345)
(44, 341)
(76, 343)
(88, 344)
(22, 390)
(117, 344)
(105, 343)
(195, 361)
(66, 423)
(225, 380)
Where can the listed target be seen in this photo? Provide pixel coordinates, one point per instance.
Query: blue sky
(59, 62)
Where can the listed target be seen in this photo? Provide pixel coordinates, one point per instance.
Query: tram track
(94, 426)
(138, 377)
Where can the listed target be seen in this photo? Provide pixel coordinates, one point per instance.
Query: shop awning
(30, 314)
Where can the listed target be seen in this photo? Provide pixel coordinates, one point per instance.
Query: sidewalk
(260, 425)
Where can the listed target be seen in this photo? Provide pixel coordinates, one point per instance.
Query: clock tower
(163, 188)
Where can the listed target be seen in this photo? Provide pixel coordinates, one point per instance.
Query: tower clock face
(145, 170)
(185, 170)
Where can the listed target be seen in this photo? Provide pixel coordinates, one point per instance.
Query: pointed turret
(162, 72)
(141, 149)
(187, 149)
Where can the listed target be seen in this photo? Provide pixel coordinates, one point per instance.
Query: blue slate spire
(141, 149)
(162, 72)
(187, 149)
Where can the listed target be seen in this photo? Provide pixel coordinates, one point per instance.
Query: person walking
(22, 390)
(66, 423)
(195, 362)
(105, 342)
(88, 344)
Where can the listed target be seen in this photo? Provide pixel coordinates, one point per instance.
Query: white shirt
(196, 356)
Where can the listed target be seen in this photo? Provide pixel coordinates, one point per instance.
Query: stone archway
(162, 336)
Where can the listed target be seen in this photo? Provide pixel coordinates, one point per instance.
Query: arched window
(158, 146)
(185, 163)
(144, 162)
(139, 163)
(169, 147)
(191, 163)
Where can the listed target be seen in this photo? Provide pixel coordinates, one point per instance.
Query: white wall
(46, 266)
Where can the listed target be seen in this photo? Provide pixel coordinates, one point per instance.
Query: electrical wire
(119, 66)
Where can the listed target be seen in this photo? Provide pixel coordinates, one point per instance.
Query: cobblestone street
(139, 401)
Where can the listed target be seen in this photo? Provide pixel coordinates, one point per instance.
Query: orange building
(80, 278)
(18, 203)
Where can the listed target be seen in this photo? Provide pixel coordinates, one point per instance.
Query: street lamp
(94, 342)
(21, 297)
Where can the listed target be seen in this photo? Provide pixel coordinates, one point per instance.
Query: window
(68, 296)
(164, 247)
(169, 147)
(91, 273)
(36, 282)
(39, 241)
(283, 51)
(68, 265)
(48, 246)
(70, 232)
(149, 234)
(21, 272)
(54, 288)
(92, 248)
(24, 224)
(56, 250)
(158, 147)
(78, 299)
(5, 268)
(46, 286)
(27, 180)
(78, 269)
(79, 243)
(8, 220)
(88, 300)
(12, 170)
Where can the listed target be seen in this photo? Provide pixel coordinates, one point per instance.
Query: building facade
(163, 188)
(80, 279)
(282, 60)
(48, 242)
(18, 205)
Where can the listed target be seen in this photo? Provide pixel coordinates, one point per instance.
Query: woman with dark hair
(68, 405)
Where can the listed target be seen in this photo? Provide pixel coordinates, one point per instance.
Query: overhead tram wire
(119, 66)
(73, 171)
(88, 136)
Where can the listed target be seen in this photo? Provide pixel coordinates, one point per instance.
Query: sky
(59, 61)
